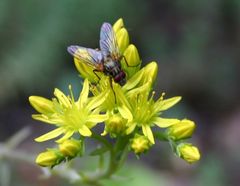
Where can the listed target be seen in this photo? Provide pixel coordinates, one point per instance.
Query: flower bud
(49, 158)
(42, 105)
(70, 148)
(122, 39)
(131, 62)
(140, 144)
(86, 71)
(115, 125)
(118, 25)
(181, 130)
(150, 72)
(188, 152)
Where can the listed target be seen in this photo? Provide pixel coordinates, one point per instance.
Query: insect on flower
(107, 59)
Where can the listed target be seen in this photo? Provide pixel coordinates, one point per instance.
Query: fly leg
(111, 85)
(127, 62)
(95, 72)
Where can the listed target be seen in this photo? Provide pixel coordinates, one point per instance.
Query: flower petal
(43, 118)
(131, 128)
(148, 133)
(85, 131)
(62, 98)
(165, 122)
(118, 25)
(133, 81)
(41, 104)
(96, 118)
(98, 100)
(125, 113)
(167, 103)
(120, 95)
(51, 120)
(66, 136)
(50, 135)
(84, 94)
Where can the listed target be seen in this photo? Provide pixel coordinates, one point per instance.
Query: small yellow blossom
(122, 39)
(146, 113)
(49, 158)
(131, 61)
(140, 144)
(188, 152)
(181, 130)
(72, 116)
(70, 148)
(115, 125)
(118, 25)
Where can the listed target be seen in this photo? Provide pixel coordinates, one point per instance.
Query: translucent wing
(108, 42)
(90, 56)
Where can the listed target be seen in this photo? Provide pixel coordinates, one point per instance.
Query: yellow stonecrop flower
(140, 144)
(70, 148)
(49, 158)
(129, 112)
(146, 112)
(188, 152)
(68, 115)
(182, 130)
(134, 104)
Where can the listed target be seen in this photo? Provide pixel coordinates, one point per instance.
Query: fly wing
(108, 42)
(89, 56)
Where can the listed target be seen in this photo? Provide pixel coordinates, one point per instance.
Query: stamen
(163, 94)
(71, 93)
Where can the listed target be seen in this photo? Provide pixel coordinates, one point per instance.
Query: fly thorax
(111, 68)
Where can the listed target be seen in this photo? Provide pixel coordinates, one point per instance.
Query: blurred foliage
(196, 44)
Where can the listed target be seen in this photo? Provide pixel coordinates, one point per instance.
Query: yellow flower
(118, 25)
(115, 125)
(133, 104)
(146, 112)
(122, 39)
(71, 116)
(183, 129)
(188, 152)
(131, 62)
(70, 148)
(140, 144)
(49, 158)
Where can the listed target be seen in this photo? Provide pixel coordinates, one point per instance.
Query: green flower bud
(115, 125)
(49, 158)
(131, 62)
(86, 71)
(140, 144)
(118, 25)
(183, 129)
(188, 152)
(70, 148)
(122, 39)
(42, 105)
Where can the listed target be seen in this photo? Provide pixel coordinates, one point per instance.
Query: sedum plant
(130, 113)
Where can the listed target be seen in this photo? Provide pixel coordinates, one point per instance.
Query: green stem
(117, 155)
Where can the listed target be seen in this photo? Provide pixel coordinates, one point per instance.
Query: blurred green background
(196, 45)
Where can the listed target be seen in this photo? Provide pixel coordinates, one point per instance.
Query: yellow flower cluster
(129, 110)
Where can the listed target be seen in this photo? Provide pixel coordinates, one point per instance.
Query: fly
(107, 59)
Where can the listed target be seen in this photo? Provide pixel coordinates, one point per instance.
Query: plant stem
(117, 154)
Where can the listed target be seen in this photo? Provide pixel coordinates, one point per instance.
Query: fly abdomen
(120, 78)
